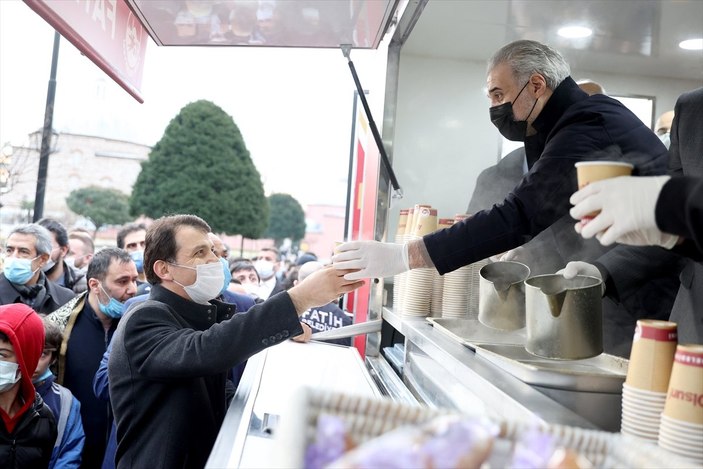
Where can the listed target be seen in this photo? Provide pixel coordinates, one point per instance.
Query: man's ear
(63, 251)
(161, 269)
(538, 84)
(43, 259)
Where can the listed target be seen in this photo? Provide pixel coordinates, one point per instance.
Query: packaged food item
(331, 442)
(447, 442)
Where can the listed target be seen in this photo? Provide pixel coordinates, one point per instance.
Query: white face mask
(209, 279)
(264, 268)
(8, 375)
(251, 289)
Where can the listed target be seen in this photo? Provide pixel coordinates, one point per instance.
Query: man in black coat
(675, 208)
(27, 251)
(171, 353)
(533, 99)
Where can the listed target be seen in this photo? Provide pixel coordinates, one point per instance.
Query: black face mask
(503, 118)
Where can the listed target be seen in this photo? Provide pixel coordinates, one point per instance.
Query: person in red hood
(27, 427)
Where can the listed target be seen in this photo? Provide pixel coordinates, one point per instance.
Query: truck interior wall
(443, 137)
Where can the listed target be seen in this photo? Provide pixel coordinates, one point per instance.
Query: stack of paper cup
(681, 429)
(436, 303)
(644, 390)
(455, 294)
(399, 239)
(418, 283)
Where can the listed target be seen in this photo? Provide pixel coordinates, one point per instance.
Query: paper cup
(652, 355)
(591, 171)
(684, 399)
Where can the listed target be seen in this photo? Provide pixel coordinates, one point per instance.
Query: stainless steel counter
(437, 371)
(442, 372)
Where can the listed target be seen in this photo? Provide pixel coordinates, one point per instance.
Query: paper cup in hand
(652, 355)
(591, 171)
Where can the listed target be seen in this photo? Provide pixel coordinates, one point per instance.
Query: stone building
(76, 161)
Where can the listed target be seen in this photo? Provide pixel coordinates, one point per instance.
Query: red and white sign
(106, 31)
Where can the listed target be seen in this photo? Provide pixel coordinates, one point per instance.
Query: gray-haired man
(27, 251)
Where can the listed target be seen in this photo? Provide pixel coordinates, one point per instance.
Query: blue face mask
(228, 274)
(18, 271)
(138, 258)
(113, 308)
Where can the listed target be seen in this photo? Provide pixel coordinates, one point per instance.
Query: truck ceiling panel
(268, 23)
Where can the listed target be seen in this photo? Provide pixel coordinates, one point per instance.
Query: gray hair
(42, 237)
(527, 57)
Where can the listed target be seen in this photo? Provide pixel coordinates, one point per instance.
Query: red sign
(106, 31)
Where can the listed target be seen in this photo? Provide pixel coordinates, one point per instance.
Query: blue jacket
(67, 452)
(572, 127)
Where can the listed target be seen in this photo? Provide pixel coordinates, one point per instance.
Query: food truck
(424, 151)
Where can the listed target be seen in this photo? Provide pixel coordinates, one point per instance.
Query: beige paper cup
(684, 398)
(426, 221)
(652, 355)
(591, 171)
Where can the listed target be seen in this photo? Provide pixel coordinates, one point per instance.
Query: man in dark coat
(27, 251)
(171, 353)
(678, 210)
(533, 99)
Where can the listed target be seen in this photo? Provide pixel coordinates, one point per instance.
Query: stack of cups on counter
(461, 287)
(455, 297)
(400, 238)
(645, 388)
(681, 428)
(417, 290)
(436, 304)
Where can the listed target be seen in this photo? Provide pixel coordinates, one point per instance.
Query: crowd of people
(63, 301)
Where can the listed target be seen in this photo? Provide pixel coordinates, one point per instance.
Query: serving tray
(604, 373)
(471, 332)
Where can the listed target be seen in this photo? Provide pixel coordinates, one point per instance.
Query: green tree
(101, 206)
(201, 166)
(287, 219)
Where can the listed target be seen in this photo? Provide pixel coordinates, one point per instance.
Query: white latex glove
(575, 268)
(627, 211)
(372, 259)
(513, 255)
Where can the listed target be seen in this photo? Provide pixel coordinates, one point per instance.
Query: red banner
(106, 31)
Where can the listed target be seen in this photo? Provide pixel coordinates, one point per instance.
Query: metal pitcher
(564, 316)
(501, 301)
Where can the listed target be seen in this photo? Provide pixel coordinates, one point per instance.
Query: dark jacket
(571, 127)
(625, 268)
(84, 343)
(56, 295)
(167, 371)
(559, 244)
(32, 441)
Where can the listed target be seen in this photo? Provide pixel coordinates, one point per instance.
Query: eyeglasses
(135, 244)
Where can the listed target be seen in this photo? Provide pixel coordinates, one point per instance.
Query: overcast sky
(293, 106)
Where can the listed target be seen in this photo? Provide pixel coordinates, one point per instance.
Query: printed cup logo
(686, 396)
